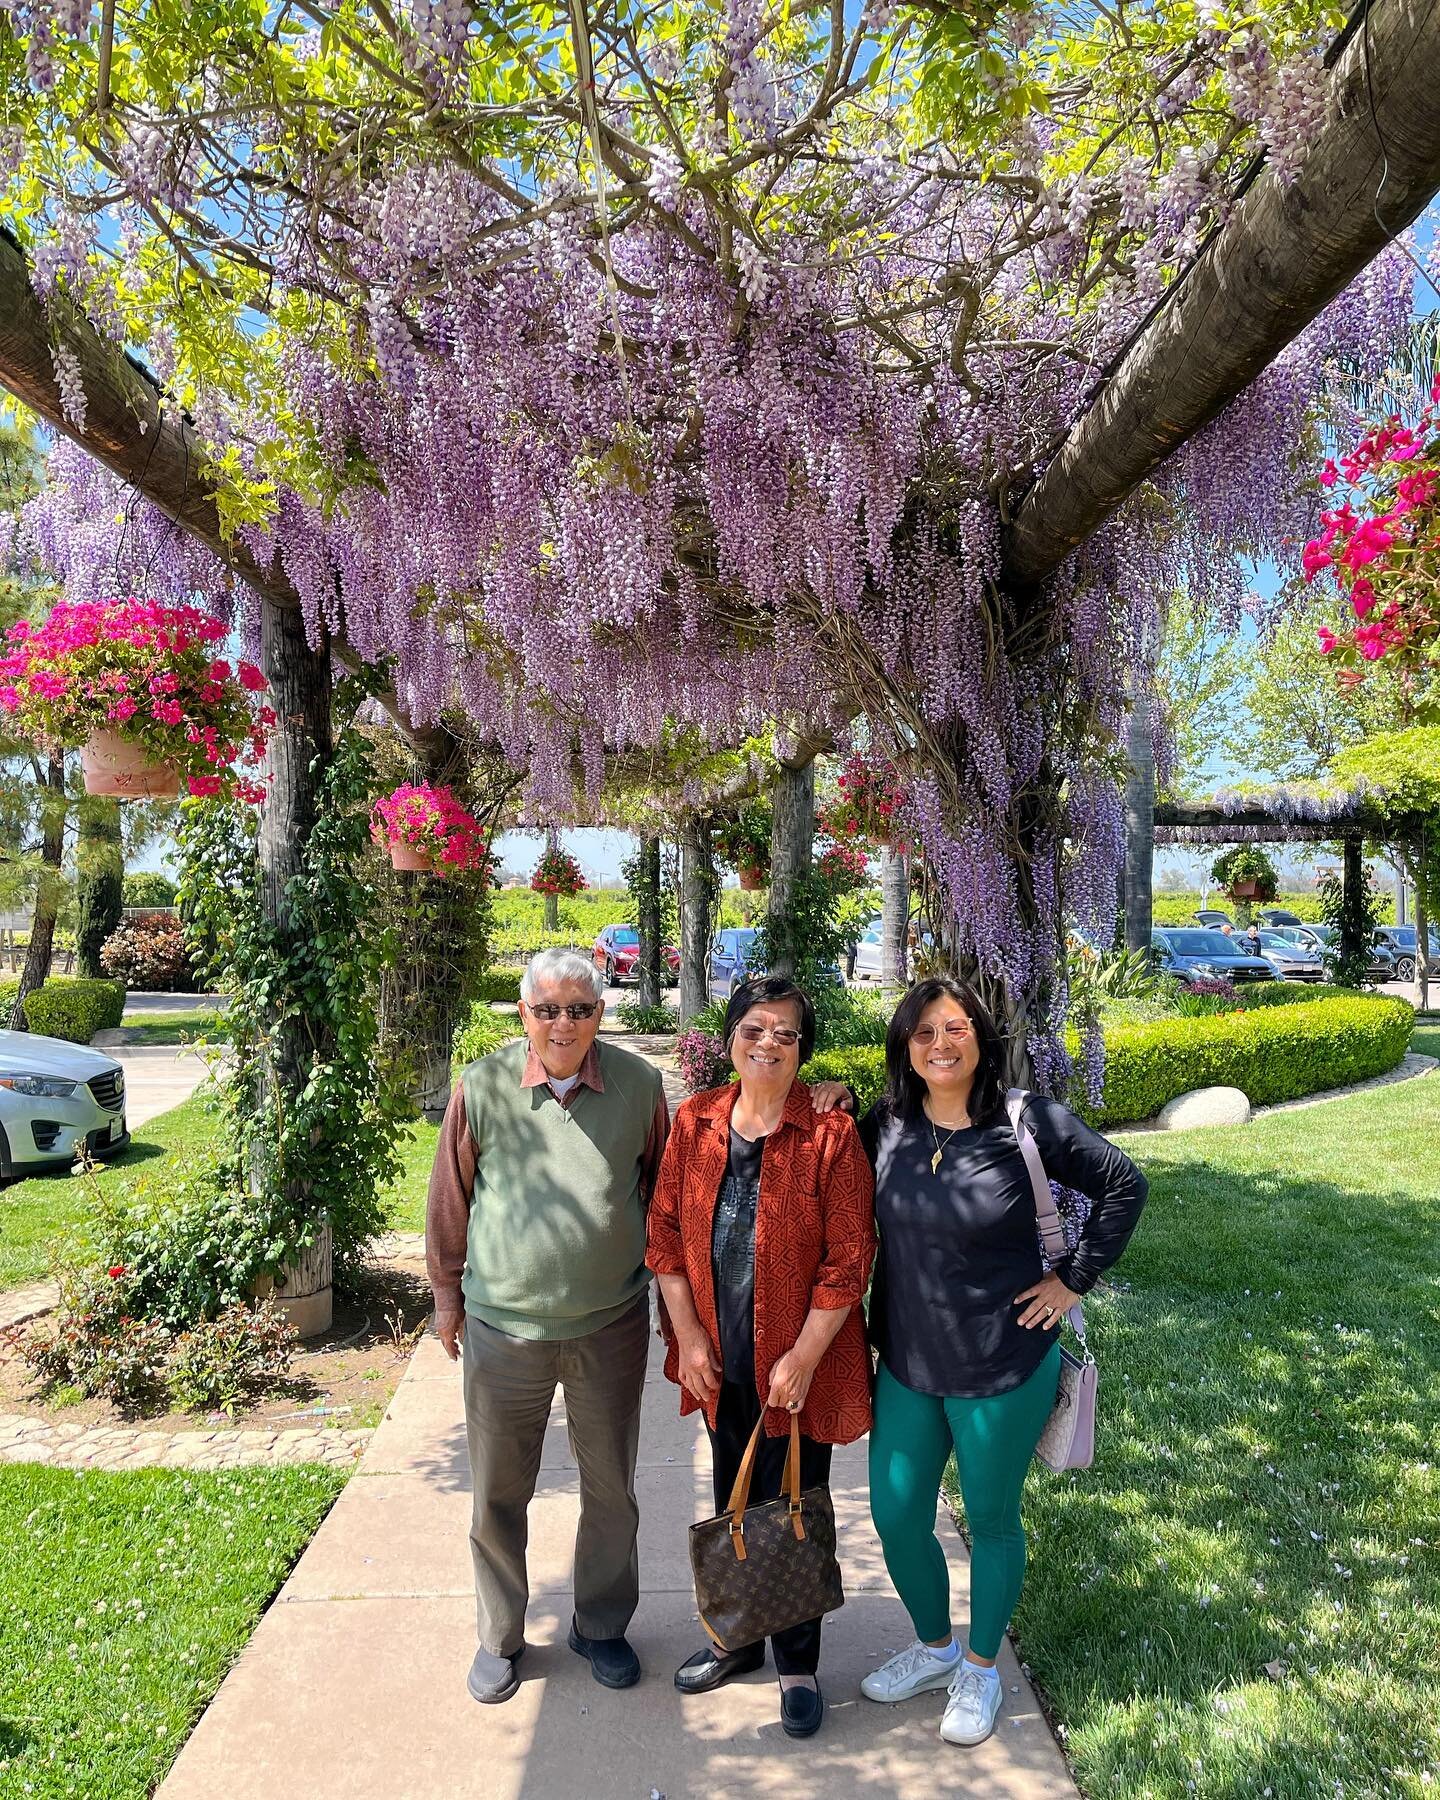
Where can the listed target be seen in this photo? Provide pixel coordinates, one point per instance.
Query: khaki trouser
(509, 1385)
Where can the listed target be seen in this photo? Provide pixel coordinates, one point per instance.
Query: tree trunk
(792, 843)
(1424, 900)
(647, 968)
(894, 917)
(47, 893)
(1138, 894)
(1281, 256)
(100, 902)
(697, 908)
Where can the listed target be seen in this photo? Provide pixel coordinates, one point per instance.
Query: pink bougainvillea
(148, 672)
(432, 819)
(1381, 544)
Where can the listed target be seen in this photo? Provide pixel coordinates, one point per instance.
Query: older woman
(761, 1234)
(963, 1316)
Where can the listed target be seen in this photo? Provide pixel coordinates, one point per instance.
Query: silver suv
(56, 1098)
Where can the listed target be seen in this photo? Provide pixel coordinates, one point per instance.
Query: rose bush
(149, 954)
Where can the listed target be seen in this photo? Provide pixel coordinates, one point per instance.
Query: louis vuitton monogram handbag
(760, 1569)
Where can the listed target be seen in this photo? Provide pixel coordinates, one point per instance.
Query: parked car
(1289, 960)
(1277, 915)
(868, 964)
(729, 963)
(1321, 938)
(617, 952)
(1193, 955)
(55, 1100)
(1213, 918)
(1402, 942)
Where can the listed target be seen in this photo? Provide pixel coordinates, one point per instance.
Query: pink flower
(251, 679)
(1313, 559)
(1362, 596)
(1329, 475)
(219, 670)
(48, 686)
(123, 709)
(1328, 640)
(168, 712)
(205, 787)
(1370, 541)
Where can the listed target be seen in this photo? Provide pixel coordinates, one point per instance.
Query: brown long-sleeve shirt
(452, 1177)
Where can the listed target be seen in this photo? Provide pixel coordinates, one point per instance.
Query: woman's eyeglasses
(781, 1035)
(580, 1009)
(956, 1031)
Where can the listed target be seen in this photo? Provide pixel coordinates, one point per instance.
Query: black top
(732, 1258)
(957, 1245)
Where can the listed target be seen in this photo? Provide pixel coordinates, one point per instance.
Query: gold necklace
(939, 1147)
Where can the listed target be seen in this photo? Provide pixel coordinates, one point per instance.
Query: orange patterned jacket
(814, 1243)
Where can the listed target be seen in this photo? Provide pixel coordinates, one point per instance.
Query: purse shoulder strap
(1047, 1215)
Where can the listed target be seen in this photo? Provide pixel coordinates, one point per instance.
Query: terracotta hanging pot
(407, 856)
(120, 767)
(1245, 890)
(751, 878)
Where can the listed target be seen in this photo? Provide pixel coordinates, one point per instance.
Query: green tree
(1199, 686)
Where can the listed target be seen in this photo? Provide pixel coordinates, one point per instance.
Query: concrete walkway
(353, 1687)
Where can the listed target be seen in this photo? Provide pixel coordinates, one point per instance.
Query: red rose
(117, 1271)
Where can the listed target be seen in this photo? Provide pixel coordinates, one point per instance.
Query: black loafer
(612, 1662)
(801, 1710)
(711, 1668)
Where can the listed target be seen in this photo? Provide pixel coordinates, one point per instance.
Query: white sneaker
(909, 1672)
(972, 1707)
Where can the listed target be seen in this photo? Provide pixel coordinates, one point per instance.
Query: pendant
(935, 1163)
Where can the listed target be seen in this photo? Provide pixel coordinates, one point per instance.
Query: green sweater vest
(556, 1242)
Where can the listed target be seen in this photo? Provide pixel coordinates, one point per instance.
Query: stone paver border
(63, 1445)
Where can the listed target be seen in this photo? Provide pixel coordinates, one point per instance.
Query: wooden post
(792, 844)
(551, 920)
(648, 923)
(894, 917)
(697, 908)
(1138, 897)
(1352, 877)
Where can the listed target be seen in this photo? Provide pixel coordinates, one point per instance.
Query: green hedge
(9, 988)
(75, 1009)
(862, 1068)
(1289, 1045)
(499, 983)
(1270, 1053)
(1294, 993)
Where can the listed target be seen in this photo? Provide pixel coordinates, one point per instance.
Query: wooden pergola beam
(1280, 258)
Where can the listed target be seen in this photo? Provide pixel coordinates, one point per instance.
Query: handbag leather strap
(789, 1485)
(1047, 1214)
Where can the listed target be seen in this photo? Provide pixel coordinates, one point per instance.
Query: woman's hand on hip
(1049, 1301)
(700, 1367)
(790, 1379)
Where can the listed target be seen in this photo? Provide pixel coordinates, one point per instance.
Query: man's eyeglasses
(956, 1031)
(578, 1010)
(782, 1035)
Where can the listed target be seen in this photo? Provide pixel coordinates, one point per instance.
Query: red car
(617, 951)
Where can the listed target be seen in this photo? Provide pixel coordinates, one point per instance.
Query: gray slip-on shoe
(493, 1678)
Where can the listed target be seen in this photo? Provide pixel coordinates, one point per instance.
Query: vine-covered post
(648, 921)
(100, 867)
(792, 846)
(894, 915)
(1352, 907)
(300, 749)
(551, 919)
(1137, 892)
(698, 889)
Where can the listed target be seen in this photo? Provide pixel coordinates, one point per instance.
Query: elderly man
(535, 1240)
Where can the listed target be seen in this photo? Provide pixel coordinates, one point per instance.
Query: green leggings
(993, 1439)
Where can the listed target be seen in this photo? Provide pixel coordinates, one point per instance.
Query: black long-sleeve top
(958, 1244)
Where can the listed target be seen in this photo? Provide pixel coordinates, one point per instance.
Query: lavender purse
(1068, 1440)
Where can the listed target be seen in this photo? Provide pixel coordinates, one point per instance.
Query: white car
(868, 966)
(55, 1099)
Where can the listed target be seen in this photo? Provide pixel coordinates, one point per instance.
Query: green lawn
(1268, 1484)
(177, 1027)
(405, 1206)
(127, 1598)
(37, 1212)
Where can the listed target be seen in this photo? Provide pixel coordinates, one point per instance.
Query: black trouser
(797, 1650)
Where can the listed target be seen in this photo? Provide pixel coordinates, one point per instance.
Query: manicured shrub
(149, 954)
(480, 1032)
(500, 983)
(1271, 1053)
(861, 1067)
(74, 1009)
(9, 988)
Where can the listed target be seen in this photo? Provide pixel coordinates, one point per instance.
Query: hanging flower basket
(1244, 890)
(868, 804)
(744, 842)
(426, 829)
(140, 687)
(119, 767)
(751, 878)
(557, 872)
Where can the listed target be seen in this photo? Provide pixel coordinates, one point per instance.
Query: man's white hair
(559, 967)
